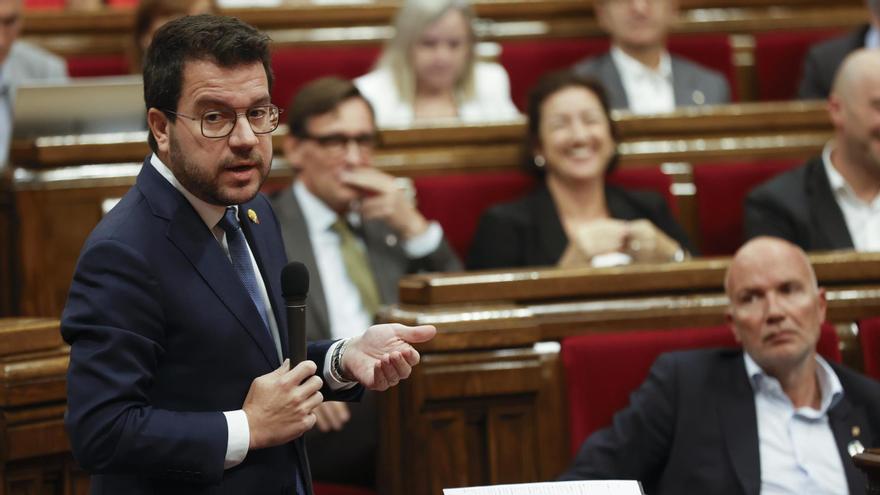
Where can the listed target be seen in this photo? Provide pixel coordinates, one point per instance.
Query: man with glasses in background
(179, 379)
(358, 231)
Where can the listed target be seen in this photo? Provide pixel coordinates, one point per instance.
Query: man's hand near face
(384, 200)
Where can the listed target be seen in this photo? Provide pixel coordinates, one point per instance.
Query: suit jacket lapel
(612, 83)
(739, 424)
(188, 232)
(551, 237)
(299, 248)
(271, 274)
(843, 418)
(380, 242)
(827, 216)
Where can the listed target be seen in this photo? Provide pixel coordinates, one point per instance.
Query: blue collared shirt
(797, 450)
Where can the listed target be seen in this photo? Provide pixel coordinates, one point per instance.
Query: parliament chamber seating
(721, 189)
(601, 370)
(869, 339)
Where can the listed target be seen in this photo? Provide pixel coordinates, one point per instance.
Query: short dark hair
(548, 85)
(226, 41)
(319, 97)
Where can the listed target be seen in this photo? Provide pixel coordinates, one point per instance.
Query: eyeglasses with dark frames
(220, 123)
(338, 143)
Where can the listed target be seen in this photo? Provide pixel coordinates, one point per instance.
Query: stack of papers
(592, 487)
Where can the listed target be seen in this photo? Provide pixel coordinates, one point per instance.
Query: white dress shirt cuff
(239, 438)
(425, 243)
(329, 377)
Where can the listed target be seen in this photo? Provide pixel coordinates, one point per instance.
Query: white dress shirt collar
(648, 90)
(872, 37)
(829, 385)
(862, 218)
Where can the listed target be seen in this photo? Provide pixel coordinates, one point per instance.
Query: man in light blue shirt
(774, 419)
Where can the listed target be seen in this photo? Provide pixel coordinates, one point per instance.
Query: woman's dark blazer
(528, 231)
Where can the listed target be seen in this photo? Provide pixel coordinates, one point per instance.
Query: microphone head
(295, 281)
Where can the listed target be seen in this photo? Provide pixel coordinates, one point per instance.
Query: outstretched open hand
(382, 356)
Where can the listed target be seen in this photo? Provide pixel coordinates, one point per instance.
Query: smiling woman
(427, 72)
(574, 217)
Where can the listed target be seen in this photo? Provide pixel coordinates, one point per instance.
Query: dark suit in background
(164, 339)
(798, 206)
(528, 231)
(692, 84)
(355, 446)
(692, 428)
(822, 61)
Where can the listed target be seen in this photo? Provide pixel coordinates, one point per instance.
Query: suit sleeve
(114, 323)
(496, 242)
(763, 216)
(665, 221)
(637, 444)
(442, 259)
(810, 87)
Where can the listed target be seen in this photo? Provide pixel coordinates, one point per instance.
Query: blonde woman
(428, 72)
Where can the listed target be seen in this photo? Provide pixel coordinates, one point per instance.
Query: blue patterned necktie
(241, 260)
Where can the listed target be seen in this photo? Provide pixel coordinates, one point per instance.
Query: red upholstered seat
(646, 178)
(528, 60)
(603, 369)
(294, 67)
(97, 65)
(457, 201)
(869, 339)
(779, 61)
(721, 189)
(334, 489)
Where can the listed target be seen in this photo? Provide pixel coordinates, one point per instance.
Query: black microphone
(295, 288)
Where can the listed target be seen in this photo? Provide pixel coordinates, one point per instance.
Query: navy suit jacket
(164, 338)
(798, 206)
(692, 428)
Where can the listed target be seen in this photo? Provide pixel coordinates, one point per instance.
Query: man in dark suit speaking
(776, 418)
(178, 381)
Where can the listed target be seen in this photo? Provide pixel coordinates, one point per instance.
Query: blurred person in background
(823, 59)
(20, 63)
(575, 217)
(639, 73)
(428, 71)
(153, 14)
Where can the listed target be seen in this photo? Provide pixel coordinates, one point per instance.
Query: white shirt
(648, 90)
(347, 314)
(872, 37)
(239, 436)
(797, 449)
(862, 219)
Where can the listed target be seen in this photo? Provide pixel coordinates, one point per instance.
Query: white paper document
(591, 487)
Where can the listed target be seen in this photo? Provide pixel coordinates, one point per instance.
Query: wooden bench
(63, 181)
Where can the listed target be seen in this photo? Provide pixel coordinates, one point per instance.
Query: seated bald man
(833, 200)
(772, 418)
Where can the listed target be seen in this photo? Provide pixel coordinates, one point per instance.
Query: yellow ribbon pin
(253, 216)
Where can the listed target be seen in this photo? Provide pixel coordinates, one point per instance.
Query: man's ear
(291, 146)
(158, 123)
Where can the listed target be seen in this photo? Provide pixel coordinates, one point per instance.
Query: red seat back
(320, 488)
(721, 189)
(457, 201)
(97, 65)
(646, 178)
(602, 369)
(528, 60)
(294, 67)
(779, 60)
(869, 339)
